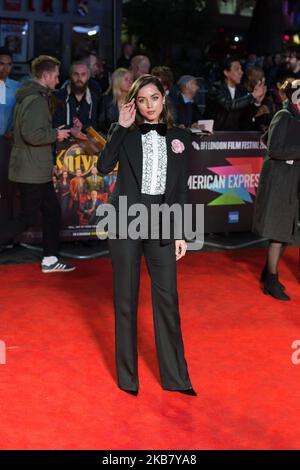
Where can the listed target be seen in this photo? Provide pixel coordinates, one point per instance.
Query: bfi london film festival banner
(80, 191)
(223, 174)
(224, 171)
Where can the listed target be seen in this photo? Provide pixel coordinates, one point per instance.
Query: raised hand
(127, 114)
(77, 123)
(62, 134)
(262, 110)
(77, 134)
(259, 91)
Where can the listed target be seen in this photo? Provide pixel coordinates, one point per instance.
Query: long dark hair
(139, 83)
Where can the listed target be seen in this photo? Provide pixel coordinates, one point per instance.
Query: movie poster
(79, 188)
(80, 191)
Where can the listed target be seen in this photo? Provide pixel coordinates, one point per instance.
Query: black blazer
(184, 113)
(108, 112)
(226, 112)
(125, 146)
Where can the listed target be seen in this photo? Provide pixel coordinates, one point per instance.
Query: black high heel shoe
(187, 391)
(131, 392)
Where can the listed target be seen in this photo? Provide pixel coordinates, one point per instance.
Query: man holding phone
(228, 99)
(31, 161)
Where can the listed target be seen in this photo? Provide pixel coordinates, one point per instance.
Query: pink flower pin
(177, 146)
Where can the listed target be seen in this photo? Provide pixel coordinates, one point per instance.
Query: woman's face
(256, 77)
(126, 82)
(150, 102)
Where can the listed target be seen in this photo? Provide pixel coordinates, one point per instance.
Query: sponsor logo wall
(223, 174)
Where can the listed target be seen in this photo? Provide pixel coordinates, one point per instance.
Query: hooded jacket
(31, 159)
(66, 110)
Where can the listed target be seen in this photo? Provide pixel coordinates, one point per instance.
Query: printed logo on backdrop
(73, 158)
(233, 217)
(236, 182)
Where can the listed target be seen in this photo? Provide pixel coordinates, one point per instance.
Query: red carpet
(58, 387)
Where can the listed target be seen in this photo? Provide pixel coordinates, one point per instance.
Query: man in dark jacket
(76, 100)
(90, 206)
(185, 110)
(227, 100)
(31, 161)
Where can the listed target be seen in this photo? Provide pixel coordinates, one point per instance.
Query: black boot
(264, 275)
(131, 392)
(185, 391)
(188, 391)
(273, 287)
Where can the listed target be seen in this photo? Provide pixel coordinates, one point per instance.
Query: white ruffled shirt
(154, 163)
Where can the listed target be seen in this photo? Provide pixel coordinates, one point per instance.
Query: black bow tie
(160, 128)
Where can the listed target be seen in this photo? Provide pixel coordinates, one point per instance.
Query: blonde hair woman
(114, 98)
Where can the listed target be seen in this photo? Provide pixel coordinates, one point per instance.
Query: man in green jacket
(31, 161)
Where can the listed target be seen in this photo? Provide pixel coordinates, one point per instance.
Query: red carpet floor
(58, 387)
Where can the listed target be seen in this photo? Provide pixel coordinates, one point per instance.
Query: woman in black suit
(152, 156)
(113, 99)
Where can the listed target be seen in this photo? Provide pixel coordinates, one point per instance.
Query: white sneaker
(57, 267)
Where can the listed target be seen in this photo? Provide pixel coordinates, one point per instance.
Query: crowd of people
(238, 95)
(146, 117)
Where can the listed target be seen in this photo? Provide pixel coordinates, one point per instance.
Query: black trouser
(161, 263)
(35, 198)
(6, 186)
